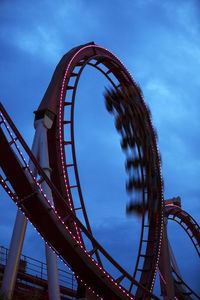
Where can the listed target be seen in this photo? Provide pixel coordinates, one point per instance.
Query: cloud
(119, 236)
(29, 29)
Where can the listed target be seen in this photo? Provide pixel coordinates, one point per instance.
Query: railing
(38, 269)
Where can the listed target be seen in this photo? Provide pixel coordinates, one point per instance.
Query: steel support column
(14, 253)
(165, 267)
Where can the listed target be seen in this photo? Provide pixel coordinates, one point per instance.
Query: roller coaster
(42, 188)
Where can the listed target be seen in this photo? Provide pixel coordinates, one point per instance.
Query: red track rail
(190, 226)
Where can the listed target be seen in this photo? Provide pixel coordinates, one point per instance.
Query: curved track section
(190, 226)
(182, 290)
(187, 222)
(25, 191)
(58, 102)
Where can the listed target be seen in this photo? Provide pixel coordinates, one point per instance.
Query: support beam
(14, 253)
(42, 126)
(16, 244)
(167, 288)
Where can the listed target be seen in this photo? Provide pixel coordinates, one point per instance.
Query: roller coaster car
(109, 104)
(119, 108)
(134, 163)
(129, 110)
(131, 142)
(137, 208)
(122, 124)
(124, 143)
(118, 123)
(127, 141)
(136, 184)
(113, 95)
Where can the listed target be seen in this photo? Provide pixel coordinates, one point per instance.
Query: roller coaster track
(59, 100)
(190, 226)
(60, 97)
(58, 224)
(24, 189)
(187, 222)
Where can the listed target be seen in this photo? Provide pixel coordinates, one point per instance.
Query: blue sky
(158, 41)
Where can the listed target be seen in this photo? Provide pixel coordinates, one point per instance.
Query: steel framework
(58, 223)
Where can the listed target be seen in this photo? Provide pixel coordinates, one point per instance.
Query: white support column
(16, 244)
(14, 253)
(53, 283)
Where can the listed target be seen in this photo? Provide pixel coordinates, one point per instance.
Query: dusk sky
(159, 43)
